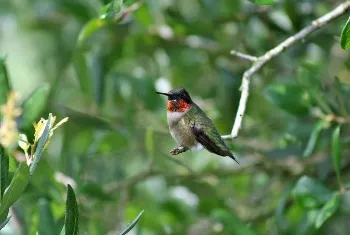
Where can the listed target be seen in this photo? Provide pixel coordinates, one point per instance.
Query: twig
(128, 11)
(262, 60)
(244, 56)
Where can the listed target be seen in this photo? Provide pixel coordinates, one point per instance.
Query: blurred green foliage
(100, 63)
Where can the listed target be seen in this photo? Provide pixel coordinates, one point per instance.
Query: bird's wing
(203, 129)
(202, 132)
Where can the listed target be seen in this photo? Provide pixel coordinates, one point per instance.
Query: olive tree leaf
(42, 142)
(90, 27)
(328, 210)
(320, 125)
(71, 220)
(263, 2)
(4, 81)
(3, 224)
(336, 152)
(18, 184)
(345, 36)
(4, 170)
(310, 193)
(132, 224)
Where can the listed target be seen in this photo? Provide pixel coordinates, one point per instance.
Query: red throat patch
(177, 105)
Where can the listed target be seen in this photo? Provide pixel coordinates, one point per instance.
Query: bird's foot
(178, 150)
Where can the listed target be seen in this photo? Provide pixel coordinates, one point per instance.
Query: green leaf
(289, 97)
(345, 36)
(110, 10)
(263, 2)
(4, 171)
(71, 221)
(132, 224)
(90, 27)
(3, 216)
(328, 210)
(46, 220)
(18, 184)
(34, 106)
(63, 232)
(83, 74)
(320, 125)
(4, 82)
(3, 224)
(310, 193)
(336, 152)
(40, 147)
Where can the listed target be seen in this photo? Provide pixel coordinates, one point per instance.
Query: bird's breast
(174, 117)
(180, 131)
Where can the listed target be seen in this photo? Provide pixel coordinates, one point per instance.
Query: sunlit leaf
(328, 210)
(4, 81)
(4, 170)
(310, 193)
(71, 221)
(336, 152)
(90, 27)
(34, 106)
(18, 184)
(42, 142)
(111, 9)
(263, 2)
(345, 36)
(320, 125)
(132, 224)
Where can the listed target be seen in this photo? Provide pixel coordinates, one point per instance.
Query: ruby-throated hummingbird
(190, 127)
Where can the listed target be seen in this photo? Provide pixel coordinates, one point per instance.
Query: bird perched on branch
(190, 127)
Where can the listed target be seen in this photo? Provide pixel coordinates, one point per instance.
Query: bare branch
(128, 11)
(244, 56)
(262, 60)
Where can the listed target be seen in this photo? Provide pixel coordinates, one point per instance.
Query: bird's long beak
(161, 93)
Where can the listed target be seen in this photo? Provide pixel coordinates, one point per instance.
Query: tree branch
(262, 60)
(244, 56)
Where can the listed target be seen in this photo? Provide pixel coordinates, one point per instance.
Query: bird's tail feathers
(231, 156)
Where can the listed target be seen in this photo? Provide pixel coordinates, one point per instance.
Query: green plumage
(191, 127)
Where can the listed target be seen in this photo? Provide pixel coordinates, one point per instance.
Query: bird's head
(178, 100)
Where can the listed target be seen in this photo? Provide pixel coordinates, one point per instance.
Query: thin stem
(262, 60)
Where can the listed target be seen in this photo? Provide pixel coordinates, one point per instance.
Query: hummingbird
(191, 127)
